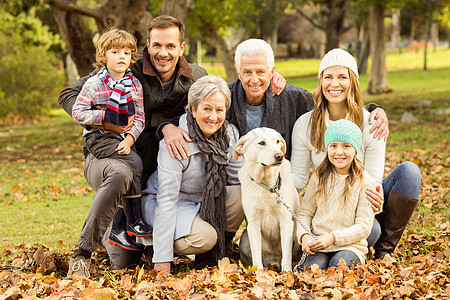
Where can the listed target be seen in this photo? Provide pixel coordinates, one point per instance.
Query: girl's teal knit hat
(344, 131)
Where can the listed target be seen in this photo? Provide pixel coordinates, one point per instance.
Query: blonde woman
(338, 96)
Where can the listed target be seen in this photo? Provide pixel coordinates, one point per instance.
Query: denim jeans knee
(406, 179)
(320, 258)
(351, 259)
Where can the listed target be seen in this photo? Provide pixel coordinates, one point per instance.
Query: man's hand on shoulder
(381, 126)
(175, 139)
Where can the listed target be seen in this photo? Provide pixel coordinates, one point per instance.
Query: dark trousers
(112, 177)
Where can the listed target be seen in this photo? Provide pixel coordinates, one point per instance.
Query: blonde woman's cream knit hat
(338, 57)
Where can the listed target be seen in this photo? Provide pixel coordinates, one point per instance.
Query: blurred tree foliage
(30, 64)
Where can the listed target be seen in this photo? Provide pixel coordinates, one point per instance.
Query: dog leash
(304, 254)
(275, 190)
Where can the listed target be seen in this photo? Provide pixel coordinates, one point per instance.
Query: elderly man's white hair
(252, 47)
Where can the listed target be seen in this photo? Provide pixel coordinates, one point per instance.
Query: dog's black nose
(279, 157)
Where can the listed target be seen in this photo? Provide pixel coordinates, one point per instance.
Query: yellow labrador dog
(264, 176)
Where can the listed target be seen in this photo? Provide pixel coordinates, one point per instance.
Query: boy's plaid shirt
(93, 99)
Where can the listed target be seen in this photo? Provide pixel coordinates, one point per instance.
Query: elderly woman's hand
(176, 141)
(163, 267)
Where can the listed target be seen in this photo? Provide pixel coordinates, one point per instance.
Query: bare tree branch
(310, 20)
(63, 5)
(345, 29)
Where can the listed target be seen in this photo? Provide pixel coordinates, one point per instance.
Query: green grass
(44, 196)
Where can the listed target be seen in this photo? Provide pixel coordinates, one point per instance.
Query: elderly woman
(188, 202)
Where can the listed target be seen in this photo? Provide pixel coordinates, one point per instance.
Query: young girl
(335, 207)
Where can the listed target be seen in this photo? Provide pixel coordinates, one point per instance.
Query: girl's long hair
(317, 122)
(326, 173)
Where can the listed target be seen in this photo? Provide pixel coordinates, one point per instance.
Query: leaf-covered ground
(39, 273)
(422, 270)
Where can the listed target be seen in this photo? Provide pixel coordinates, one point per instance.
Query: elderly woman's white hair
(252, 47)
(205, 87)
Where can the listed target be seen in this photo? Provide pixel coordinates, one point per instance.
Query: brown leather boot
(393, 220)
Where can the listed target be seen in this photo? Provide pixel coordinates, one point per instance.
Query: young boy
(105, 104)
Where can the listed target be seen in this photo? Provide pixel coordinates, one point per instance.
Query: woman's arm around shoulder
(301, 153)
(374, 152)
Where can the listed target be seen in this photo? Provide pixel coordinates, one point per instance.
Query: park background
(403, 53)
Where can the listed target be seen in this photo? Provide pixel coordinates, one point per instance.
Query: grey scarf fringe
(212, 208)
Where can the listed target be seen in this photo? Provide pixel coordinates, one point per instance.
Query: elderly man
(253, 104)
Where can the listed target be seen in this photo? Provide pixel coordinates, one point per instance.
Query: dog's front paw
(286, 268)
(259, 265)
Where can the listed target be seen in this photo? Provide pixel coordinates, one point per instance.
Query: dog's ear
(283, 145)
(238, 149)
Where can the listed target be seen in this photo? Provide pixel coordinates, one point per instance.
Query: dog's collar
(274, 189)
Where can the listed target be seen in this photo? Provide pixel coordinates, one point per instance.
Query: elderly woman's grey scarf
(212, 208)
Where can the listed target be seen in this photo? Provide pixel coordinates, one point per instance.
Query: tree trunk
(274, 35)
(277, 11)
(335, 23)
(332, 39)
(395, 37)
(363, 52)
(225, 54)
(448, 38)
(378, 83)
(190, 57)
(78, 41)
(427, 35)
(330, 21)
(412, 32)
(434, 34)
(178, 8)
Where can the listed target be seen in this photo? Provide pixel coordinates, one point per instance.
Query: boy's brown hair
(114, 38)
